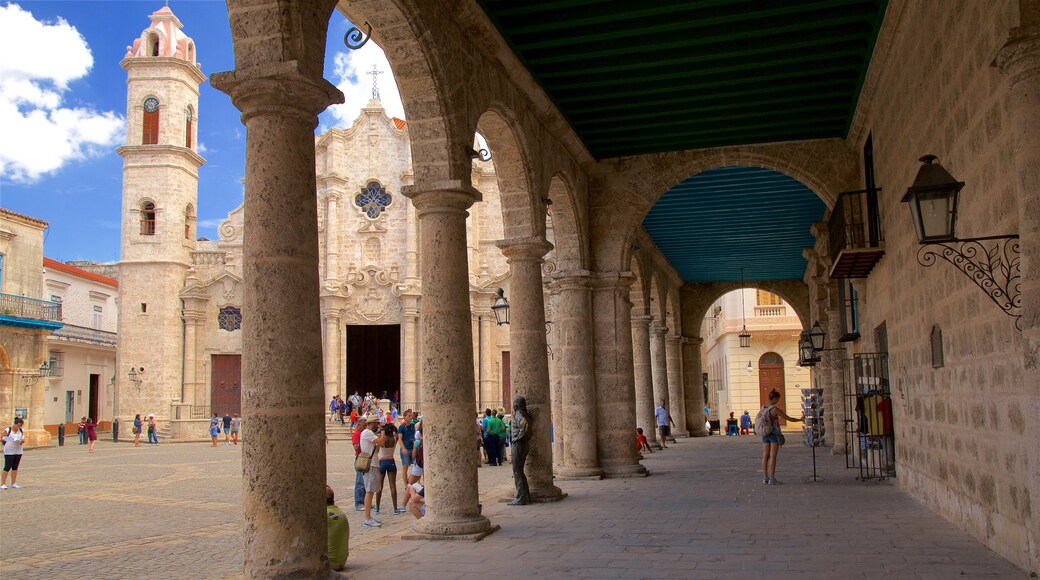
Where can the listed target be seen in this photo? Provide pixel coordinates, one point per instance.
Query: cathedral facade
(181, 296)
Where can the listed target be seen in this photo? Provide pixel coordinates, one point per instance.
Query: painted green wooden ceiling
(666, 75)
(651, 76)
(716, 222)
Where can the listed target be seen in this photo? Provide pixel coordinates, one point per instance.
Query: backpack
(764, 421)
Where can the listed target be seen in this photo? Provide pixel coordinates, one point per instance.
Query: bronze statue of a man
(520, 439)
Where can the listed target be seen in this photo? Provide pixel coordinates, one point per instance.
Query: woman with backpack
(13, 438)
(767, 425)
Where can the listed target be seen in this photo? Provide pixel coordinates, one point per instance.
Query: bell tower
(160, 197)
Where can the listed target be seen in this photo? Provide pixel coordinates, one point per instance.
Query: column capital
(641, 320)
(612, 280)
(659, 331)
(673, 339)
(1019, 58)
(533, 248)
(696, 340)
(277, 88)
(440, 196)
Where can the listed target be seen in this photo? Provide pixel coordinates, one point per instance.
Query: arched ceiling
(634, 78)
(716, 222)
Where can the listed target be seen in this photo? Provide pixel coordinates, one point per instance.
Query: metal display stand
(813, 428)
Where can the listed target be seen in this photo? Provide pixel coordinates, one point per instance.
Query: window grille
(148, 219)
(56, 362)
(230, 318)
(373, 200)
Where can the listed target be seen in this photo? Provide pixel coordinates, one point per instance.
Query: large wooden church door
(226, 384)
(771, 376)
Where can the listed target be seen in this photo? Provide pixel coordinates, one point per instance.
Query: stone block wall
(962, 435)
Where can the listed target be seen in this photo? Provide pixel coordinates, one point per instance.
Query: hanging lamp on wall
(745, 336)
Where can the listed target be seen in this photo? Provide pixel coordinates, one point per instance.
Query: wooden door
(94, 398)
(770, 377)
(226, 384)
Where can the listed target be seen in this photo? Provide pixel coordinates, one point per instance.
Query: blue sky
(63, 103)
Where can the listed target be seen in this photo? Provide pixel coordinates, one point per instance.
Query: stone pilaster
(446, 363)
(832, 379)
(487, 385)
(282, 394)
(577, 380)
(643, 376)
(1020, 61)
(676, 401)
(615, 383)
(332, 347)
(189, 390)
(410, 394)
(529, 364)
(332, 221)
(659, 367)
(693, 385)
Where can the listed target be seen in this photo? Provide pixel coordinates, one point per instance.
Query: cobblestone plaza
(175, 512)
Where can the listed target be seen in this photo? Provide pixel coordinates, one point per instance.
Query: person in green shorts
(339, 531)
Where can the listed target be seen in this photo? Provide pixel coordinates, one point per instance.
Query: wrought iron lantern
(817, 337)
(806, 354)
(993, 263)
(744, 336)
(501, 308)
(933, 202)
(32, 379)
(135, 376)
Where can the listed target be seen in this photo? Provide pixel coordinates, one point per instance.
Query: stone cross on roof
(375, 80)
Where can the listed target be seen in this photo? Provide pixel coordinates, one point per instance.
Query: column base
(621, 471)
(579, 473)
(453, 529)
(699, 433)
(680, 434)
(656, 445)
(547, 494)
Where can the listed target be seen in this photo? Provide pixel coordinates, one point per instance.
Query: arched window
(150, 134)
(153, 45)
(188, 114)
(148, 219)
(189, 221)
(373, 200)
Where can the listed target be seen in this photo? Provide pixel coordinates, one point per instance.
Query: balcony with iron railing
(26, 312)
(80, 334)
(855, 234)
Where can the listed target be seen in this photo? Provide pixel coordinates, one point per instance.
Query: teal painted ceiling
(667, 75)
(716, 222)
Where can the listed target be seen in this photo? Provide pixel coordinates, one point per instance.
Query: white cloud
(40, 135)
(349, 75)
(210, 224)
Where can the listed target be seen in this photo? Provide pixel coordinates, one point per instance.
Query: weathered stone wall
(962, 431)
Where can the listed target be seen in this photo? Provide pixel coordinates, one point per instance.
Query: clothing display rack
(870, 437)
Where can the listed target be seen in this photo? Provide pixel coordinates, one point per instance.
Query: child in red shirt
(641, 442)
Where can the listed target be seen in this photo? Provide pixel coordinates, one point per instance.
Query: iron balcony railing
(72, 333)
(34, 308)
(856, 241)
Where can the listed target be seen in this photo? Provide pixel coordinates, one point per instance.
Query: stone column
(410, 394)
(659, 368)
(332, 347)
(529, 363)
(332, 240)
(282, 390)
(487, 384)
(615, 382)
(676, 402)
(446, 363)
(832, 379)
(643, 375)
(693, 385)
(190, 383)
(577, 376)
(1020, 61)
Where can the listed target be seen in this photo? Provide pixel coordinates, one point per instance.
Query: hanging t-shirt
(885, 409)
(872, 416)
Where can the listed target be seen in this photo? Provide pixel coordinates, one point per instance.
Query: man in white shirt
(663, 420)
(371, 438)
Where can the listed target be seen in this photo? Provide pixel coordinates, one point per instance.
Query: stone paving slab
(175, 511)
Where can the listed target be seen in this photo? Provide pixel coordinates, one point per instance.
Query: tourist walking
(81, 430)
(370, 442)
(333, 407)
(227, 428)
(214, 429)
(13, 438)
(91, 427)
(664, 423)
(388, 467)
(767, 426)
(236, 422)
(137, 430)
(359, 482)
(153, 435)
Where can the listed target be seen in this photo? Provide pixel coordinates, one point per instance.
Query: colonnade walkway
(175, 511)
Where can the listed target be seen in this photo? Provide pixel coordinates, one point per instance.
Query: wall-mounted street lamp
(991, 262)
(32, 379)
(136, 376)
(501, 308)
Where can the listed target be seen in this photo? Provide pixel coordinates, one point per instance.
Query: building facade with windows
(27, 319)
(81, 354)
(740, 378)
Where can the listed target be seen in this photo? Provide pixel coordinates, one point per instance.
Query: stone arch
(698, 297)
(826, 166)
(568, 234)
(521, 218)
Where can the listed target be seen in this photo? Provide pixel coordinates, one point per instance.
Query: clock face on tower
(151, 105)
